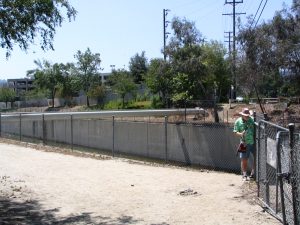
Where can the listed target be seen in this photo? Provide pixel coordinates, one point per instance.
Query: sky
(119, 29)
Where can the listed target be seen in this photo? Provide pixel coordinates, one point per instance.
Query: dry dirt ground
(43, 185)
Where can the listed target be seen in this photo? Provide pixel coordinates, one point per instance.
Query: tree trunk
(123, 101)
(87, 101)
(53, 96)
(216, 115)
(52, 102)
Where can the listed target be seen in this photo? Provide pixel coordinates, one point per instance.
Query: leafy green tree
(122, 83)
(7, 95)
(48, 77)
(22, 21)
(185, 33)
(98, 91)
(35, 93)
(193, 70)
(218, 76)
(269, 55)
(185, 55)
(187, 63)
(138, 67)
(70, 83)
(88, 69)
(159, 79)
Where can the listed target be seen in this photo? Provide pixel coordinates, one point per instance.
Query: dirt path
(38, 187)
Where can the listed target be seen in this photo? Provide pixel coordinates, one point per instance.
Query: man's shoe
(245, 178)
(251, 176)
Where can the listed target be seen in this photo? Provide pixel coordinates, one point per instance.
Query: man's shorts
(249, 149)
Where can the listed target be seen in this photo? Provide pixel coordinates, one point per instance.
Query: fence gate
(278, 170)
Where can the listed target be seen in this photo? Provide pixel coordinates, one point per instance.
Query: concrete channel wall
(209, 145)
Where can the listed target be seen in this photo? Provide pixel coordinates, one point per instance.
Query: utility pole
(165, 25)
(230, 57)
(229, 41)
(233, 3)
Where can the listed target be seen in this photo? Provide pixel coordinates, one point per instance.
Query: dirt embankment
(279, 113)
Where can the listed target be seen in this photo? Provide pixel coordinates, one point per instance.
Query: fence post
(166, 139)
(258, 158)
(148, 136)
(227, 115)
(185, 110)
(0, 124)
(20, 126)
(43, 129)
(255, 147)
(71, 127)
(265, 169)
(223, 115)
(279, 175)
(293, 171)
(113, 136)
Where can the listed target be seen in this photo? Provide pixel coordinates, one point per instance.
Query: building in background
(21, 85)
(3, 83)
(104, 77)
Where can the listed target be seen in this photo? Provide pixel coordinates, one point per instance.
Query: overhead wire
(184, 5)
(256, 13)
(205, 8)
(261, 13)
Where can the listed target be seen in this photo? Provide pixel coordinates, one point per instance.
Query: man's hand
(241, 134)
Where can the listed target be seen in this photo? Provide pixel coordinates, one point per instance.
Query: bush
(157, 103)
(113, 105)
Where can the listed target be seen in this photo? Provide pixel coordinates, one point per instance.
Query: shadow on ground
(13, 212)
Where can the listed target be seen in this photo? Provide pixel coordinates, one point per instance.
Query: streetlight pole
(230, 97)
(112, 67)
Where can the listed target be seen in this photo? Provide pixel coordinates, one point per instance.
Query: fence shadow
(14, 212)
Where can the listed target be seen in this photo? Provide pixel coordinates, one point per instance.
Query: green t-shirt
(240, 125)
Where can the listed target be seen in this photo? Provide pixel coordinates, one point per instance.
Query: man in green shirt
(244, 128)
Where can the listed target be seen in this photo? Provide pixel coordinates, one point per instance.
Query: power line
(261, 13)
(211, 7)
(256, 13)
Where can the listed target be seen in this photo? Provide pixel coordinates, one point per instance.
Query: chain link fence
(278, 170)
(181, 138)
(187, 138)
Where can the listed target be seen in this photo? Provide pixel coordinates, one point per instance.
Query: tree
(48, 77)
(122, 83)
(192, 70)
(186, 57)
(87, 68)
(218, 69)
(185, 33)
(187, 63)
(269, 56)
(70, 83)
(98, 91)
(21, 21)
(159, 79)
(138, 67)
(7, 95)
